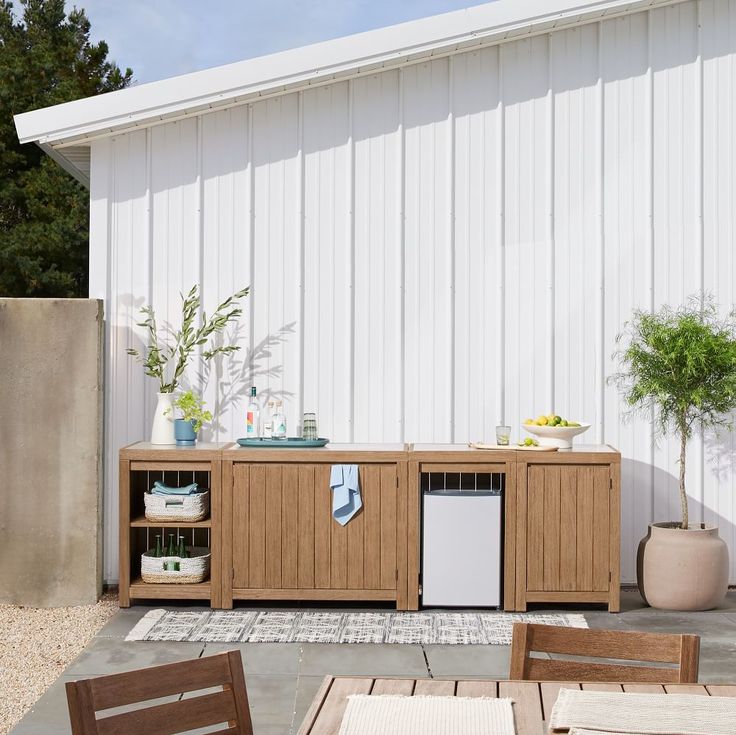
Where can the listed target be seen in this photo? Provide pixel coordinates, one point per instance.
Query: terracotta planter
(682, 570)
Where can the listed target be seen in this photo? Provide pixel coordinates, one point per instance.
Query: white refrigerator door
(461, 561)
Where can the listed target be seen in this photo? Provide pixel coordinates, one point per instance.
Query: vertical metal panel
(436, 249)
(478, 337)
(626, 145)
(428, 261)
(378, 261)
(718, 54)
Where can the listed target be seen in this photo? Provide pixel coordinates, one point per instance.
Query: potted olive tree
(680, 365)
(168, 352)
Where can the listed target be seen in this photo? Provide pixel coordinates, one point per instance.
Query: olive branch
(157, 356)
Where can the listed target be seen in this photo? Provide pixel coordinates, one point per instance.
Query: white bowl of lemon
(554, 431)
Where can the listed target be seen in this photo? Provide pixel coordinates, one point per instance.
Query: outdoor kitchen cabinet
(568, 526)
(140, 466)
(280, 541)
(561, 520)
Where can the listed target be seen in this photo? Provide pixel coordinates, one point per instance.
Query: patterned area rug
(234, 626)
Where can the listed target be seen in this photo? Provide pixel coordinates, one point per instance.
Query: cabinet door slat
(552, 528)
(257, 528)
(289, 526)
(535, 529)
(305, 538)
(601, 527)
(372, 533)
(273, 526)
(241, 524)
(389, 493)
(322, 525)
(585, 528)
(568, 529)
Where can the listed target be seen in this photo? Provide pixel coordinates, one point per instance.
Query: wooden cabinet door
(284, 535)
(568, 528)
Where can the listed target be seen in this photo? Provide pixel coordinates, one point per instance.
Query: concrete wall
(50, 451)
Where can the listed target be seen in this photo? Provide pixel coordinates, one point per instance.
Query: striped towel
(391, 714)
(642, 714)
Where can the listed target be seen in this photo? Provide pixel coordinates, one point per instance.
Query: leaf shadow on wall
(233, 375)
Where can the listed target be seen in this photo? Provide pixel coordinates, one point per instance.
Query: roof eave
(29, 129)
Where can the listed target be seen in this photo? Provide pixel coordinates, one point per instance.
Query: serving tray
(293, 442)
(539, 448)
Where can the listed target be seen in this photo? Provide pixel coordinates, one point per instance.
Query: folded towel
(346, 501)
(160, 489)
(643, 714)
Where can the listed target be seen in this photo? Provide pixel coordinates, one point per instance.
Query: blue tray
(291, 442)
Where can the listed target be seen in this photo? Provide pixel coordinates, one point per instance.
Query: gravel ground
(37, 644)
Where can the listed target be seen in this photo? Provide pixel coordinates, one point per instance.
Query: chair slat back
(682, 650)
(229, 705)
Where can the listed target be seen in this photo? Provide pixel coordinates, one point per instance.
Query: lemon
(542, 421)
(563, 422)
(529, 442)
(528, 422)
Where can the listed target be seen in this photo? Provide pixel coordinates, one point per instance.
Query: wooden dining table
(533, 700)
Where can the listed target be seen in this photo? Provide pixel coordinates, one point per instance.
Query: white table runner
(643, 714)
(396, 715)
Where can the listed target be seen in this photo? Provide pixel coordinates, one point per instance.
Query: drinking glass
(503, 435)
(309, 426)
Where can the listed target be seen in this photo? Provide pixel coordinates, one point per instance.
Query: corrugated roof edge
(156, 102)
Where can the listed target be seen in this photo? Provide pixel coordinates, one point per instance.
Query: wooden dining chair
(683, 650)
(228, 706)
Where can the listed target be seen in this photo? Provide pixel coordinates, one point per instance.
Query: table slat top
(533, 700)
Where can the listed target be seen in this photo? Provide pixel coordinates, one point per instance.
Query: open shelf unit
(140, 466)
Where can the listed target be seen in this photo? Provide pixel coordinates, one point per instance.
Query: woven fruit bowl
(192, 570)
(191, 508)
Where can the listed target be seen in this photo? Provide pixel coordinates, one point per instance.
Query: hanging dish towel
(345, 486)
(160, 489)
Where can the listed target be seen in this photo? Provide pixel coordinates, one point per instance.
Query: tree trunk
(683, 494)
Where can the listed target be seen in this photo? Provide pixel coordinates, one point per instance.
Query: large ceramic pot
(682, 570)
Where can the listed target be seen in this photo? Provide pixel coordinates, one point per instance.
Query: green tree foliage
(680, 364)
(46, 58)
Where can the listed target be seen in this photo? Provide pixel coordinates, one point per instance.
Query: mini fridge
(461, 546)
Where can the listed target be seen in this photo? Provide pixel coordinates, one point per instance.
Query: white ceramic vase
(162, 431)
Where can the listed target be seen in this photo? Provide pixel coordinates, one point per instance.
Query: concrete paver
(282, 679)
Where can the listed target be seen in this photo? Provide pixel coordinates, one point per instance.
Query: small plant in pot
(680, 366)
(193, 416)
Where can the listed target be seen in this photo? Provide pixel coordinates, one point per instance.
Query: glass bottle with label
(252, 416)
(159, 550)
(182, 552)
(278, 430)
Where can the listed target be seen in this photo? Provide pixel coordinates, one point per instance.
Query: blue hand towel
(346, 501)
(160, 489)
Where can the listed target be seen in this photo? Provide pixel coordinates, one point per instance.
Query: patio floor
(282, 678)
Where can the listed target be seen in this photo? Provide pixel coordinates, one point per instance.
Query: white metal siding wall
(437, 249)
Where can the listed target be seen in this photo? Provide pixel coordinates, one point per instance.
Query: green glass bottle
(171, 549)
(182, 553)
(159, 550)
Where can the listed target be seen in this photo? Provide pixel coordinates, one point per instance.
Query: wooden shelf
(144, 590)
(143, 522)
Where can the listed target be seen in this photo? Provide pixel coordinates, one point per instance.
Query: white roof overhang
(65, 131)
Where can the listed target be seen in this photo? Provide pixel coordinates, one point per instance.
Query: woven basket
(192, 570)
(189, 508)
